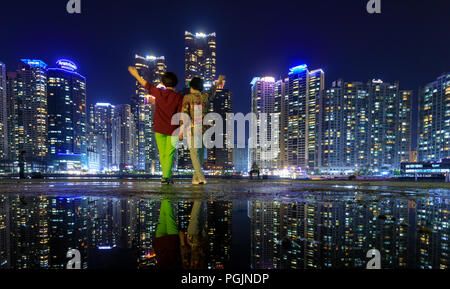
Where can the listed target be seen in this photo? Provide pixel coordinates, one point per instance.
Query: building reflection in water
(337, 232)
(318, 230)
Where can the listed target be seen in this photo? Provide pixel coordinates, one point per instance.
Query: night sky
(409, 41)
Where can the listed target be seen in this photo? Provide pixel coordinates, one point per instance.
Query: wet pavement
(242, 224)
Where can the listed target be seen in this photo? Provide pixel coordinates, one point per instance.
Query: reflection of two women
(176, 250)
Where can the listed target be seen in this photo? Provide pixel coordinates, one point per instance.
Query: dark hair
(23, 152)
(196, 83)
(169, 79)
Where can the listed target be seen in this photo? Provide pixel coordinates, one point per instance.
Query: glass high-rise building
(303, 92)
(200, 57)
(12, 87)
(345, 127)
(200, 61)
(67, 143)
(404, 128)
(383, 106)
(279, 108)
(434, 120)
(32, 111)
(221, 158)
(126, 131)
(3, 114)
(102, 135)
(263, 104)
(364, 127)
(151, 68)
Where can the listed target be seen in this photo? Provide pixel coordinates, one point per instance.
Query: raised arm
(152, 90)
(133, 71)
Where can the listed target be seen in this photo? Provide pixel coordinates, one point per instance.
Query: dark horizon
(407, 42)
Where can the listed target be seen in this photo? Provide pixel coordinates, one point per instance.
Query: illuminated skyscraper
(103, 135)
(303, 92)
(13, 86)
(66, 91)
(365, 127)
(92, 141)
(151, 68)
(32, 111)
(279, 108)
(383, 106)
(263, 104)
(3, 114)
(126, 131)
(404, 128)
(200, 61)
(200, 57)
(434, 120)
(316, 87)
(221, 158)
(345, 127)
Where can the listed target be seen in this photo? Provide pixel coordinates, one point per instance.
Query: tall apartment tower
(434, 120)
(263, 104)
(221, 158)
(200, 61)
(279, 107)
(12, 87)
(3, 114)
(126, 130)
(383, 106)
(151, 68)
(345, 127)
(365, 127)
(32, 111)
(103, 135)
(404, 128)
(200, 57)
(303, 92)
(67, 143)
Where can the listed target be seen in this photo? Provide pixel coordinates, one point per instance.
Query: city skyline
(389, 54)
(154, 77)
(309, 113)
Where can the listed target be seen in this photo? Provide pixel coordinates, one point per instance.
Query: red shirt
(167, 103)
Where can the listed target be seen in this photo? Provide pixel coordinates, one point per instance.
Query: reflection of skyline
(44, 228)
(338, 233)
(324, 230)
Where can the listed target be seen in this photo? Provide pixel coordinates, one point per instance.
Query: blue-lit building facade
(66, 118)
(302, 91)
